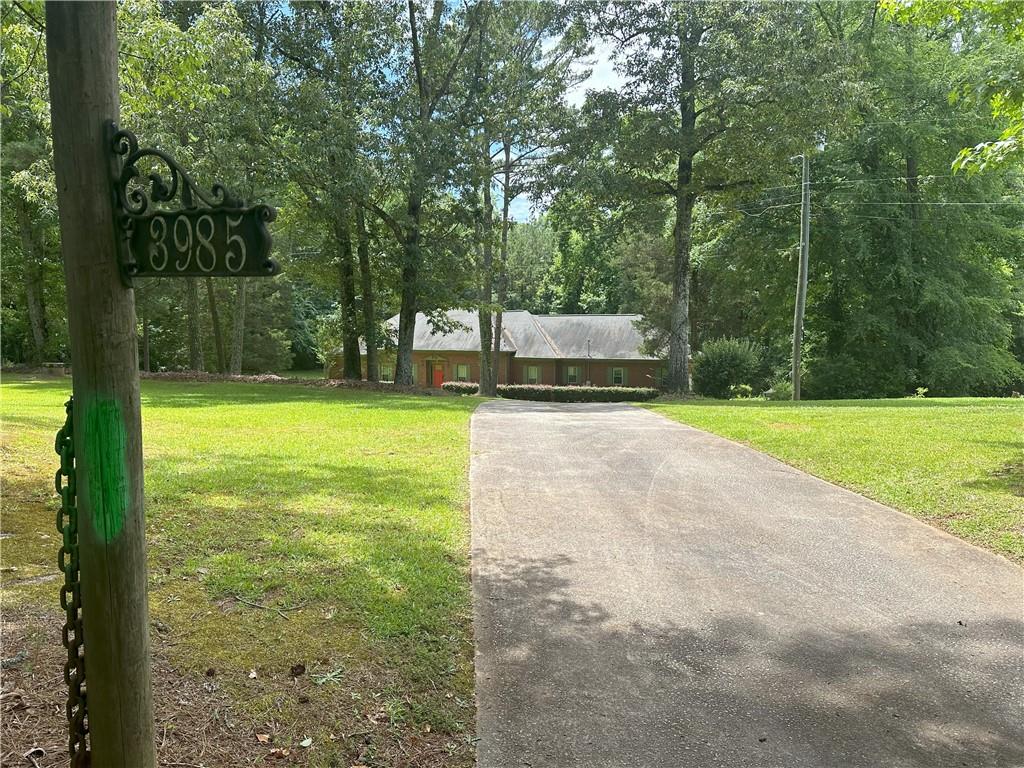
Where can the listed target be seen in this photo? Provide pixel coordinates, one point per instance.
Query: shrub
(971, 369)
(774, 363)
(843, 376)
(576, 394)
(551, 394)
(741, 391)
(460, 387)
(781, 389)
(722, 364)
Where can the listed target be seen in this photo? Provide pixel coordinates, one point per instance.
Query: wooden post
(81, 44)
(801, 280)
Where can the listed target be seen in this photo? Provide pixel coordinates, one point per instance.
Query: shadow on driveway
(731, 691)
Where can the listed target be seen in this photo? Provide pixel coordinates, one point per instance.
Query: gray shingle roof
(528, 337)
(611, 337)
(464, 339)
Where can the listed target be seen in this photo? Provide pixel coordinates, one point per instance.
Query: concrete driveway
(647, 594)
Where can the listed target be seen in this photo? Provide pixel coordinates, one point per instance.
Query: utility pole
(801, 281)
(81, 46)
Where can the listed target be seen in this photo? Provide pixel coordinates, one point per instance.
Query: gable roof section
(530, 340)
(464, 339)
(611, 337)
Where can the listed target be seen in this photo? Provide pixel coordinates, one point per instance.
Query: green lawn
(342, 513)
(294, 525)
(957, 463)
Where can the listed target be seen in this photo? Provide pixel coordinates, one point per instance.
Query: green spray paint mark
(105, 441)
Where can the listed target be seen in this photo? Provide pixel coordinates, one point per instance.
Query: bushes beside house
(461, 387)
(577, 394)
(723, 364)
(551, 394)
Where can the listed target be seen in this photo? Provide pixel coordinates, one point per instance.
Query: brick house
(602, 350)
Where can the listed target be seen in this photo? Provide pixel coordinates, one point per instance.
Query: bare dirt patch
(196, 723)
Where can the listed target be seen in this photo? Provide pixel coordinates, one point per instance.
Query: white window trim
(572, 374)
(622, 376)
(459, 375)
(536, 378)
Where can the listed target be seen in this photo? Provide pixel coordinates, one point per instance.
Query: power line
(751, 213)
(785, 200)
(919, 177)
(940, 204)
(923, 121)
(854, 203)
(925, 177)
(782, 186)
(769, 208)
(882, 218)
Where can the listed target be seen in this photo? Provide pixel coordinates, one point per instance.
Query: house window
(572, 374)
(618, 376)
(386, 372)
(532, 374)
(462, 372)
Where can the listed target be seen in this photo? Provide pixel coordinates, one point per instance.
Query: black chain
(71, 595)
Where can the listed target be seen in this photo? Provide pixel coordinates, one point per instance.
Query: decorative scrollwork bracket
(212, 234)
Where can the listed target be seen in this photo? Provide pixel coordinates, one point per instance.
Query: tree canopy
(402, 141)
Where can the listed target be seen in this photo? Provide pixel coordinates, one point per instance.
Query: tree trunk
(488, 385)
(369, 312)
(346, 274)
(679, 329)
(33, 283)
(410, 277)
(218, 337)
(81, 52)
(679, 339)
(238, 327)
(428, 96)
(145, 344)
(695, 310)
(411, 256)
(195, 336)
(36, 310)
(501, 270)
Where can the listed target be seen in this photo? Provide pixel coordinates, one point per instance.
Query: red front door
(438, 375)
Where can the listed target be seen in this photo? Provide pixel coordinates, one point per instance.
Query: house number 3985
(194, 242)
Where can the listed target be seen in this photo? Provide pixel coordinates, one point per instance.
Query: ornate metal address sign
(212, 235)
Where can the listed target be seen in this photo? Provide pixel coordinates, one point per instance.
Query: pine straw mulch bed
(260, 378)
(272, 378)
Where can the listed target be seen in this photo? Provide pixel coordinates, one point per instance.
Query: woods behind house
(587, 157)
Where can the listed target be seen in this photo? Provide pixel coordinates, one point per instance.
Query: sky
(602, 75)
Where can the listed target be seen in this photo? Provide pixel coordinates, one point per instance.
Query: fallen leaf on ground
(263, 738)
